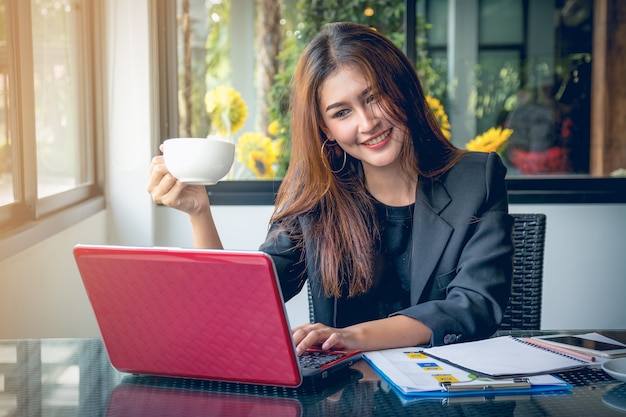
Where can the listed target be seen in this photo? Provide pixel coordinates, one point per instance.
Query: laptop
(194, 313)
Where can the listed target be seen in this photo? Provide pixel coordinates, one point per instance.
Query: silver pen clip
(515, 383)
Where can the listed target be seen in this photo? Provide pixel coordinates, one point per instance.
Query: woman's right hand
(167, 190)
(191, 199)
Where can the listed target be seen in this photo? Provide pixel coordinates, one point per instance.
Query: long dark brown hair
(343, 227)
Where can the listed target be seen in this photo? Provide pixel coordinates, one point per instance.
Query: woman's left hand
(390, 332)
(308, 335)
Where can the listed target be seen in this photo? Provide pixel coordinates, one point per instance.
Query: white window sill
(16, 240)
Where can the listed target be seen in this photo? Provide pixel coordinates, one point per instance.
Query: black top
(460, 250)
(390, 291)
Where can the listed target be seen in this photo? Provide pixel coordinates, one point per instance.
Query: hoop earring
(345, 158)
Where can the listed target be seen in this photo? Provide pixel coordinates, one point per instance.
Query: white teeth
(378, 139)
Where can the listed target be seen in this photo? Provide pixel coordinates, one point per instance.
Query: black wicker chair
(524, 309)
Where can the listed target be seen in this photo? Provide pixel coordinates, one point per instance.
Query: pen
(516, 383)
(563, 350)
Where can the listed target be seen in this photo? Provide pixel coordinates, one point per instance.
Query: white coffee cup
(198, 160)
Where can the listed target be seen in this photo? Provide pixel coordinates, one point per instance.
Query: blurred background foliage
(387, 16)
(291, 23)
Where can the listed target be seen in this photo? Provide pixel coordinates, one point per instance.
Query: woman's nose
(367, 120)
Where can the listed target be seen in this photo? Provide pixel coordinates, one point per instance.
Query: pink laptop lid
(209, 314)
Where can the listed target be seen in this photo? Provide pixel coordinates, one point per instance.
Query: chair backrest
(524, 309)
(311, 311)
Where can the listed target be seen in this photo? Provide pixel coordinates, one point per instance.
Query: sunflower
(493, 140)
(258, 153)
(440, 114)
(274, 128)
(226, 109)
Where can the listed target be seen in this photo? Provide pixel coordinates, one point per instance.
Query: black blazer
(461, 262)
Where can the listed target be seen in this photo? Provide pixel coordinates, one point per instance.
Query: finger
(304, 345)
(300, 332)
(335, 340)
(173, 192)
(156, 172)
(158, 162)
(314, 337)
(161, 182)
(166, 191)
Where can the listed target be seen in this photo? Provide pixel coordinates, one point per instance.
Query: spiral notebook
(504, 356)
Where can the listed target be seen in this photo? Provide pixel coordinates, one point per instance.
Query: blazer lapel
(430, 234)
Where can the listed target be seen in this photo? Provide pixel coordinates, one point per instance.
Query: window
(254, 51)
(521, 72)
(523, 65)
(47, 141)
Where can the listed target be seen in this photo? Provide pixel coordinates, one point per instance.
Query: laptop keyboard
(316, 360)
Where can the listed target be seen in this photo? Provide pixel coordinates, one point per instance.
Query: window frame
(30, 219)
(544, 190)
(548, 189)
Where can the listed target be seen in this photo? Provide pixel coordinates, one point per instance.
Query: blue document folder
(413, 373)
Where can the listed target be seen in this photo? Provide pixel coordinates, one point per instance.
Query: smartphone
(593, 347)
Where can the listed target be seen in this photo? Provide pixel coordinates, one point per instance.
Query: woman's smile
(379, 141)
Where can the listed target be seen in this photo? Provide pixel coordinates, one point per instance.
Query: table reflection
(54, 377)
(148, 396)
(73, 377)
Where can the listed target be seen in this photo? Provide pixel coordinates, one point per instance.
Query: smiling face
(355, 118)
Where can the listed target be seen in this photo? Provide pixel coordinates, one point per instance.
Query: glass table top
(73, 377)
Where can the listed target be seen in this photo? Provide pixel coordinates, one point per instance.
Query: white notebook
(504, 356)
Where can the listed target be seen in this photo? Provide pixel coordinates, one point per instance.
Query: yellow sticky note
(445, 378)
(415, 355)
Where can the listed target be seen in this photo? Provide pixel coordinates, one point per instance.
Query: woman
(404, 239)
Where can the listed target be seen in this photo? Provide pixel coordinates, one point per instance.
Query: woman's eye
(341, 113)
(370, 99)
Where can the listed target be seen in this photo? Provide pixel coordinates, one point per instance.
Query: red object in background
(553, 161)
